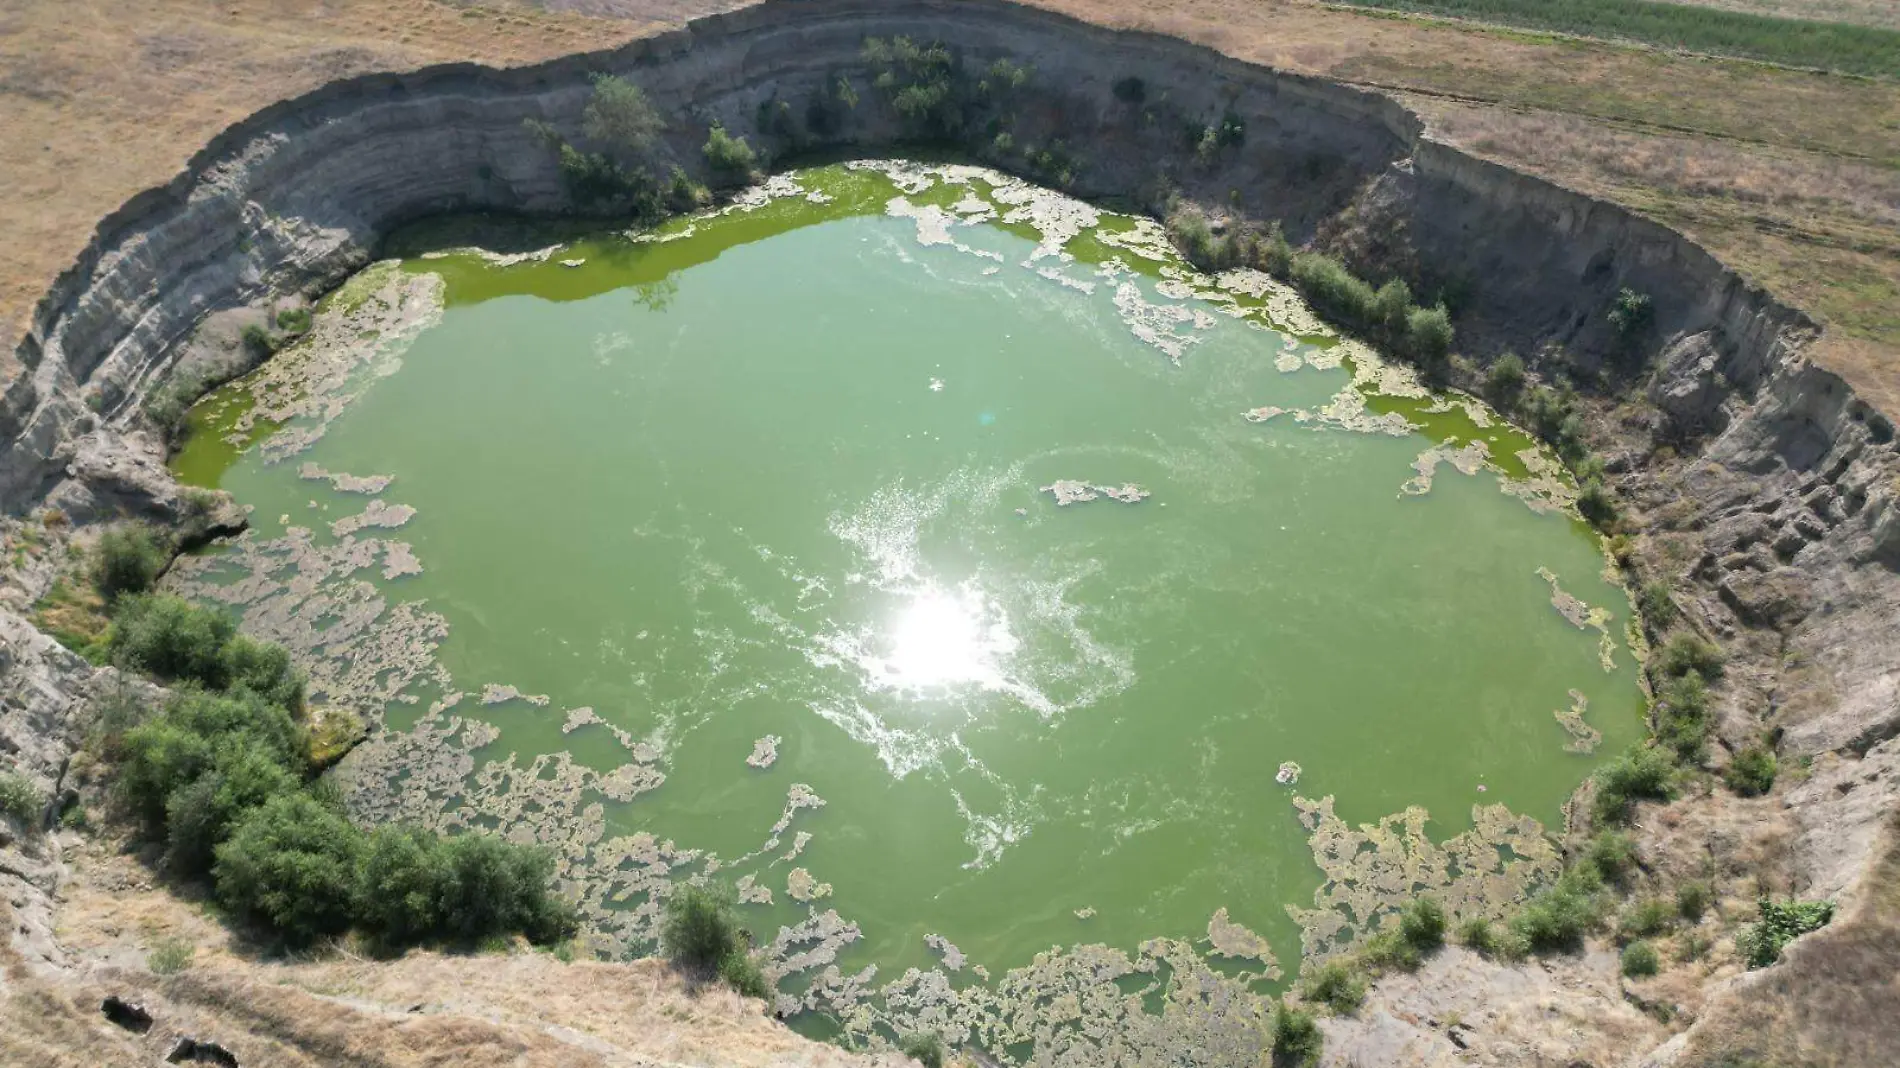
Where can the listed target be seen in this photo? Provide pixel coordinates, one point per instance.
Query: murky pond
(941, 561)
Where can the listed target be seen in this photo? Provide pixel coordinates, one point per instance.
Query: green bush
(399, 879)
(1640, 959)
(490, 887)
(1657, 607)
(20, 799)
(1630, 315)
(1781, 922)
(1682, 653)
(1611, 854)
(1422, 925)
(1597, 504)
(1336, 986)
(1388, 949)
(258, 340)
(294, 320)
(265, 669)
(200, 814)
(171, 638)
(1646, 918)
(127, 560)
(700, 929)
(1428, 336)
(924, 1047)
(291, 866)
(1752, 771)
(1642, 774)
(1693, 899)
(728, 155)
(1476, 934)
(920, 82)
(1336, 292)
(740, 971)
(1504, 381)
(620, 116)
(1682, 717)
(1297, 1040)
(1557, 918)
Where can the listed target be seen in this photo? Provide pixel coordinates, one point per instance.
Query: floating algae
(1230, 939)
(764, 752)
(364, 484)
(801, 887)
(1071, 491)
(379, 513)
(1468, 459)
(1583, 617)
(1374, 870)
(1583, 737)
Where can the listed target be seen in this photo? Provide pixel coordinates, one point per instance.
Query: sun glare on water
(945, 639)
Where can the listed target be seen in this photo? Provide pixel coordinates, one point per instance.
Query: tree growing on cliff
(620, 116)
(291, 866)
(729, 157)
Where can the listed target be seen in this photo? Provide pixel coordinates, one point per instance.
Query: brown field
(1792, 177)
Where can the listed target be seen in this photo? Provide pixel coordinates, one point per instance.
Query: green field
(1796, 42)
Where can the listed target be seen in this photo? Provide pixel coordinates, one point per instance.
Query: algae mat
(946, 565)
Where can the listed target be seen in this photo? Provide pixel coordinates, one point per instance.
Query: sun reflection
(946, 638)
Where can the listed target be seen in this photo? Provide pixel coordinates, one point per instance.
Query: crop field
(1864, 50)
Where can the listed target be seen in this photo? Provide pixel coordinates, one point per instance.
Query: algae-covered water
(739, 550)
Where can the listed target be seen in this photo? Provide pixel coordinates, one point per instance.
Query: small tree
(924, 1047)
(1504, 382)
(1630, 315)
(1422, 925)
(1640, 960)
(1752, 771)
(619, 115)
(399, 885)
(729, 156)
(200, 814)
(127, 560)
(171, 638)
(700, 932)
(1428, 334)
(491, 887)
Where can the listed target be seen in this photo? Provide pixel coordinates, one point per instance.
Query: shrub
(683, 194)
(1693, 899)
(1191, 234)
(1630, 315)
(728, 155)
(127, 560)
(399, 880)
(919, 82)
(1131, 90)
(1597, 504)
(490, 887)
(1646, 918)
(740, 971)
(161, 757)
(265, 669)
(1752, 771)
(1504, 381)
(1640, 959)
(1476, 934)
(1611, 855)
(1781, 922)
(1335, 291)
(700, 929)
(171, 638)
(1388, 949)
(1657, 607)
(926, 1048)
(294, 320)
(20, 799)
(1296, 1038)
(257, 340)
(291, 866)
(1642, 774)
(1685, 652)
(1428, 338)
(1557, 918)
(1335, 985)
(200, 814)
(1682, 717)
(169, 956)
(1422, 925)
(619, 115)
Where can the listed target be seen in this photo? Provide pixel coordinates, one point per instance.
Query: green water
(780, 477)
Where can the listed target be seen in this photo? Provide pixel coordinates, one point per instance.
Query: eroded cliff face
(1774, 517)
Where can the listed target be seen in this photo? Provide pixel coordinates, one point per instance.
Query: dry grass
(1832, 1000)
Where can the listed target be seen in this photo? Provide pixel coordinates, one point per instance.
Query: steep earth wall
(1783, 517)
